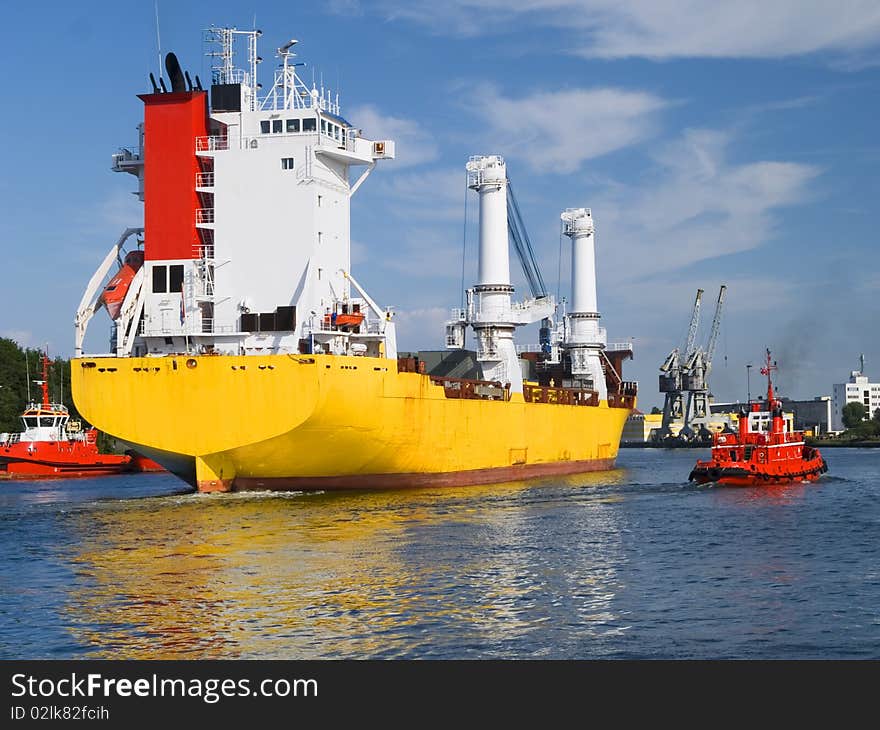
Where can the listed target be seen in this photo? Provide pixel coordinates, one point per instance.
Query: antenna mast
(158, 40)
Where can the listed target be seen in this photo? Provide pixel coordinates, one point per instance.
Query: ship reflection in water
(634, 563)
(420, 573)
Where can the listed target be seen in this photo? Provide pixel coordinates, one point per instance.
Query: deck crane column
(490, 309)
(584, 338)
(490, 301)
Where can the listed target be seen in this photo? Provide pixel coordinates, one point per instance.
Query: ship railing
(204, 215)
(211, 326)
(625, 397)
(204, 179)
(560, 396)
(126, 158)
(203, 250)
(629, 387)
(366, 327)
(8, 439)
(200, 326)
(252, 142)
(349, 142)
(619, 347)
(473, 389)
(528, 348)
(212, 143)
(458, 315)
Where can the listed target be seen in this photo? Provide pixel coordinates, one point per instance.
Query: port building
(857, 389)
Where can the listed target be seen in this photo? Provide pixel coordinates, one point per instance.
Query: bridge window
(264, 126)
(277, 126)
(309, 125)
(175, 277)
(292, 126)
(160, 279)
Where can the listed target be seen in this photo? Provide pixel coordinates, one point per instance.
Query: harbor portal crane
(671, 376)
(695, 380)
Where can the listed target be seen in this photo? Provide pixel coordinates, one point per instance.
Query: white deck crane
(695, 379)
(671, 376)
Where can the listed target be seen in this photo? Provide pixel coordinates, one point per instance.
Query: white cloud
(360, 253)
(23, 337)
(119, 210)
(557, 131)
(663, 29)
(424, 252)
(694, 206)
(413, 144)
(428, 195)
(421, 328)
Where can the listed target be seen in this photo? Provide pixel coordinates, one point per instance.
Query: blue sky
(715, 142)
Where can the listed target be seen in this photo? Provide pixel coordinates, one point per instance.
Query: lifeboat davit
(762, 452)
(344, 320)
(114, 293)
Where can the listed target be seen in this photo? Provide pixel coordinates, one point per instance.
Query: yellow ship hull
(321, 421)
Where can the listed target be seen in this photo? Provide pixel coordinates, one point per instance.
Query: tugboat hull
(745, 477)
(763, 451)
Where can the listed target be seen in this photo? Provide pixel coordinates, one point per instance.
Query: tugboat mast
(767, 369)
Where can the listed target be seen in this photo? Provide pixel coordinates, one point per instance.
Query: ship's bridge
(247, 216)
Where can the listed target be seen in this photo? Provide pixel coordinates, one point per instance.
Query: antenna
(862, 364)
(27, 370)
(158, 42)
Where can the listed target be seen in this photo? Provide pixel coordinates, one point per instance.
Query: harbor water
(633, 563)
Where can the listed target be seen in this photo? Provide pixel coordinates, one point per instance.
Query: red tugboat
(762, 452)
(54, 446)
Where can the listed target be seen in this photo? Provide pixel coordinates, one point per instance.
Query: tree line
(19, 368)
(858, 425)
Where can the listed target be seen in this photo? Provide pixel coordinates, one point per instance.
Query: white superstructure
(269, 268)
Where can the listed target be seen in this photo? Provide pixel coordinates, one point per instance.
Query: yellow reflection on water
(349, 574)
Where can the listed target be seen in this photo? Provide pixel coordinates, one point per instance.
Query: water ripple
(633, 563)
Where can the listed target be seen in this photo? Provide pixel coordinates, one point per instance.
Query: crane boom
(695, 323)
(716, 326)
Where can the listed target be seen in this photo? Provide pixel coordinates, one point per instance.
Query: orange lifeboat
(344, 321)
(114, 293)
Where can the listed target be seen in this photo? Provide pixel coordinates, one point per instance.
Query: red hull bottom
(757, 482)
(44, 471)
(709, 472)
(51, 461)
(399, 481)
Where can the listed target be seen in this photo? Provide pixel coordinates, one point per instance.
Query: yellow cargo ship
(244, 357)
(318, 422)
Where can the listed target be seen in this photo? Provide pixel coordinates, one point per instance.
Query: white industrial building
(858, 389)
